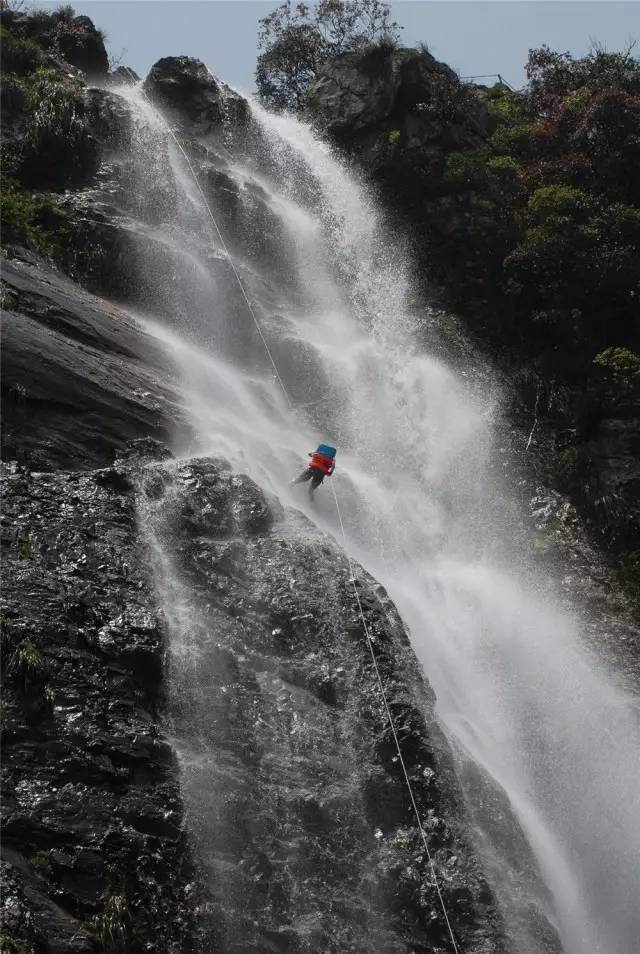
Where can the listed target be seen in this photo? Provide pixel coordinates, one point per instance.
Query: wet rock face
(185, 87)
(79, 377)
(298, 818)
(301, 822)
(93, 845)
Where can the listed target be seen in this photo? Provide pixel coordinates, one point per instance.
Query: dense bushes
(47, 141)
(29, 219)
(560, 174)
(60, 33)
(19, 55)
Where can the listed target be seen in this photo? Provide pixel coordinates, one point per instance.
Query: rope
(383, 693)
(352, 577)
(225, 249)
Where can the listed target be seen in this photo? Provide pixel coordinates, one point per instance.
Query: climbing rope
(352, 577)
(383, 693)
(223, 244)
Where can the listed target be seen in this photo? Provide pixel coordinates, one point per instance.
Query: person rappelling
(323, 464)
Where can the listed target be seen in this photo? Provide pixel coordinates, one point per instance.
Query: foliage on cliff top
(295, 40)
(548, 210)
(47, 139)
(59, 33)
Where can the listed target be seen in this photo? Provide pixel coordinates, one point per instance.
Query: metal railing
(497, 76)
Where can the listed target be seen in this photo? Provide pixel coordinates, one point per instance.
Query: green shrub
(17, 225)
(33, 220)
(516, 140)
(56, 99)
(467, 169)
(553, 76)
(25, 547)
(8, 640)
(571, 169)
(527, 141)
(40, 863)
(621, 223)
(14, 96)
(64, 13)
(29, 673)
(503, 103)
(19, 55)
(577, 101)
(394, 137)
(387, 42)
(619, 363)
(554, 264)
(58, 148)
(18, 392)
(373, 57)
(28, 666)
(10, 946)
(114, 926)
(560, 202)
(41, 24)
(504, 168)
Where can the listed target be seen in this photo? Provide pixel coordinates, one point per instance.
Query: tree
(552, 76)
(296, 40)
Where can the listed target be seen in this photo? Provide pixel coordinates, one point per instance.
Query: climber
(323, 464)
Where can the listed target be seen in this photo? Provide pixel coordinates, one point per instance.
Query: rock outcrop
(401, 111)
(186, 91)
(83, 46)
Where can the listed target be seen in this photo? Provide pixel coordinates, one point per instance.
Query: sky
(474, 36)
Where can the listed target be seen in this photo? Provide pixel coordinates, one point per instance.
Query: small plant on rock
(25, 548)
(114, 926)
(619, 375)
(29, 673)
(28, 666)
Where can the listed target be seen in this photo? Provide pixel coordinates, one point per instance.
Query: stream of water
(518, 693)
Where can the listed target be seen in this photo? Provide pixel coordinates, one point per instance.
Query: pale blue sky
(473, 36)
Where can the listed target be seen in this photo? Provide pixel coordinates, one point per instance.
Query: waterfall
(522, 700)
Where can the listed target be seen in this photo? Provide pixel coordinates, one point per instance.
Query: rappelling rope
(352, 577)
(383, 693)
(224, 246)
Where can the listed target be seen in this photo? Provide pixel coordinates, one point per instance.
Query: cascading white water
(518, 693)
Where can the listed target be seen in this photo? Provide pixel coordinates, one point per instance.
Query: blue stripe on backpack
(326, 450)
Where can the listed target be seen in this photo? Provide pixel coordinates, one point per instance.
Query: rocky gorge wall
(97, 852)
(308, 841)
